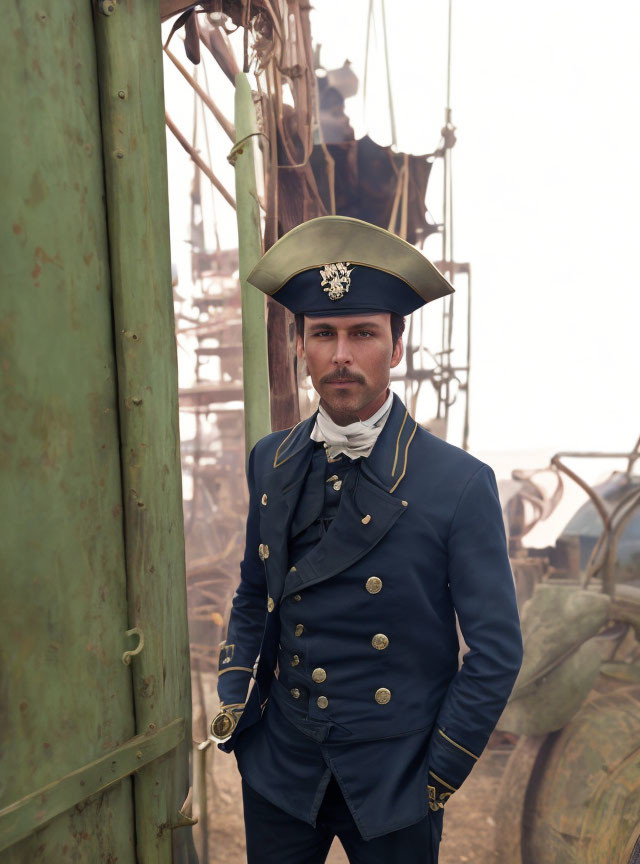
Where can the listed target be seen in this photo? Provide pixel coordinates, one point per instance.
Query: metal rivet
(107, 7)
(122, 94)
(119, 154)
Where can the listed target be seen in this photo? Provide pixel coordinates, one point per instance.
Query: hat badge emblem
(336, 279)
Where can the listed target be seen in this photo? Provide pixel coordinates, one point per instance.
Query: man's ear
(398, 352)
(299, 346)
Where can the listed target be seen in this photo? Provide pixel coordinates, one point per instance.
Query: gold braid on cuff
(437, 802)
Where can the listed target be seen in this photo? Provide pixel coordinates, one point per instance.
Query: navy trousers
(275, 837)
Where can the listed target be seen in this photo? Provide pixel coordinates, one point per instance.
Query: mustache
(342, 375)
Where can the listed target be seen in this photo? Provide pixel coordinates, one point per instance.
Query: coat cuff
(450, 762)
(233, 677)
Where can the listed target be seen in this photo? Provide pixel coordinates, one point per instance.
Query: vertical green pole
(255, 373)
(130, 76)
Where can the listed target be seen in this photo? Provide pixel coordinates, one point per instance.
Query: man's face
(349, 358)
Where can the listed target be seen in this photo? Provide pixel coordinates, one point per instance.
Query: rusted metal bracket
(25, 816)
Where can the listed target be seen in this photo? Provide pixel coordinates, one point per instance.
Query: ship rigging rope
(370, 19)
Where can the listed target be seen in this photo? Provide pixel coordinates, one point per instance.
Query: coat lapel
(282, 485)
(368, 506)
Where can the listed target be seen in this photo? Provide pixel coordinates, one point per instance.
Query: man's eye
(365, 333)
(322, 333)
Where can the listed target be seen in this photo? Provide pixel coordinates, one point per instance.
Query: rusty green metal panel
(66, 696)
(90, 496)
(130, 76)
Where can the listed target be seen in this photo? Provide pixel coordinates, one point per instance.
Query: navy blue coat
(423, 516)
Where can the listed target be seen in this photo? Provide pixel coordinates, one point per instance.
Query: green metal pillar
(257, 421)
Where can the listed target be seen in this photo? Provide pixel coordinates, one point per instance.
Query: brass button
(382, 696)
(332, 478)
(297, 598)
(263, 551)
(322, 701)
(380, 641)
(366, 519)
(318, 675)
(264, 499)
(405, 503)
(373, 584)
(295, 660)
(270, 604)
(337, 485)
(299, 629)
(295, 692)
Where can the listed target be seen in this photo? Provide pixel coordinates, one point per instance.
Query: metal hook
(126, 657)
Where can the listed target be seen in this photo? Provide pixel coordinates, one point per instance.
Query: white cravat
(356, 439)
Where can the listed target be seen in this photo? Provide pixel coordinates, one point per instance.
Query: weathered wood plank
(21, 818)
(130, 75)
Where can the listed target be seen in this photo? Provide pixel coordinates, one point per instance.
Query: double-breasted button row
(263, 551)
(270, 604)
(373, 585)
(380, 641)
(318, 675)
(299, 629)
(382, 695)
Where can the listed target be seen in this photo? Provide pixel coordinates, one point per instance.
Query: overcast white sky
(545, 100)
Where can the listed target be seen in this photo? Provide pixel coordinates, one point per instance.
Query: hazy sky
(545, 100)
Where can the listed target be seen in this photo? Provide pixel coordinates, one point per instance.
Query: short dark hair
(396, 320)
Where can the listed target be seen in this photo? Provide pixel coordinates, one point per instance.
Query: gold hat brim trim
(330, 239)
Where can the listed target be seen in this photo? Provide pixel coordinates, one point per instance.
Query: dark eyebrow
(360, 325)
(323, 325)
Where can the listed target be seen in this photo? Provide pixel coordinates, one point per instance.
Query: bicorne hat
(336, 265)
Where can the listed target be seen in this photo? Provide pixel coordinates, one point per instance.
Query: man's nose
(342, 352)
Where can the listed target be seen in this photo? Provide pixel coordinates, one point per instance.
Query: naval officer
(366, 535)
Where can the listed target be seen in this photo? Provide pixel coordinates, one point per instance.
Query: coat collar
(386, 465)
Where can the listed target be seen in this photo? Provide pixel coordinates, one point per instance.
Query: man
(365, 535)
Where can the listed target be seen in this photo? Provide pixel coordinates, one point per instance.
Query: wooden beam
(208, 101)
(202, 165)
(23, 817)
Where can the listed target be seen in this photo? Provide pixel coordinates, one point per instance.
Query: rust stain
(37, 190)
(41, 258)
(17, 229)
(87, 258)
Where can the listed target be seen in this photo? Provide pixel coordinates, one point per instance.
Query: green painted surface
(255, 369)
(36, 809)
(66, 696)
(130, 74)
(90, 495)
